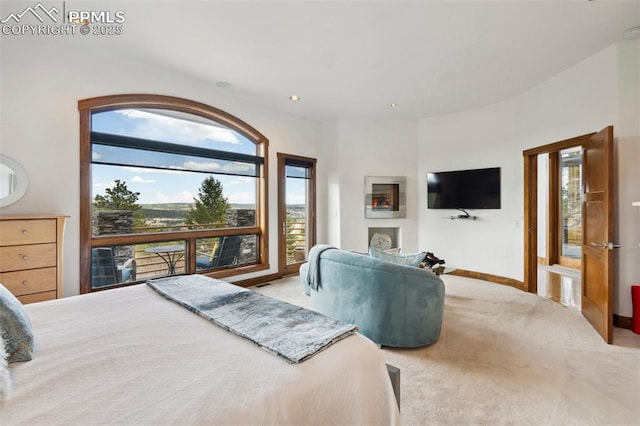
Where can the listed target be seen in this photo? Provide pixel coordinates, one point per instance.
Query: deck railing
(149, 265)
(296, 241)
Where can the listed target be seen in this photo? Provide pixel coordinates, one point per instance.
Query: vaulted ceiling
(355, 58)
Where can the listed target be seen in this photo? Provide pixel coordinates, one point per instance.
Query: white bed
(129, 356)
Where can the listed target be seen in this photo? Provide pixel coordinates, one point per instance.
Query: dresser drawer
(36, 231)
(30, 281)
(37, 297)
(16, 258)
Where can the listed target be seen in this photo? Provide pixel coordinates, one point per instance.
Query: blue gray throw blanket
(313, 273)
(287, 330)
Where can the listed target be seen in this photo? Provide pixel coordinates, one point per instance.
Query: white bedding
(128, 356)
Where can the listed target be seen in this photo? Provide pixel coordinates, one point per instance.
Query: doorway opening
(559, 194)
(560, 208)
(570, 208)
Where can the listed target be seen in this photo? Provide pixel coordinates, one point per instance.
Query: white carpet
(509, 357)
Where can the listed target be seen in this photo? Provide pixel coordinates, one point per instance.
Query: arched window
(168, 186)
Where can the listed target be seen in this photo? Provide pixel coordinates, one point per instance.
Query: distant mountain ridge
(178, 210)
(187, 206)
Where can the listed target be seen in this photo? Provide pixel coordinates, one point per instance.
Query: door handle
(605, 245)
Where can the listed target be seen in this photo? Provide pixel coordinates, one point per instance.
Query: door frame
(531, 204)
(600, 319)
(283, 268)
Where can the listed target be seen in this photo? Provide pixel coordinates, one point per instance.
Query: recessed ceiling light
(294, 98)
(632, 33)
(393, 105)
(223, 84)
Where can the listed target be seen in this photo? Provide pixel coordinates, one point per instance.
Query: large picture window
(168, 186)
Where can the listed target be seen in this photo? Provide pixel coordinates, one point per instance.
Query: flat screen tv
(464, 189)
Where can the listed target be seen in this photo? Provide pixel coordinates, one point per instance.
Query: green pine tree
(121, 198)
(210, 205)
(117, 198)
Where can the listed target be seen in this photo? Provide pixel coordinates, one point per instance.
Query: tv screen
(464, 189)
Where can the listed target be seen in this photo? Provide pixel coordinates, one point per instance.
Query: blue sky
(165, 186)
(171, 186)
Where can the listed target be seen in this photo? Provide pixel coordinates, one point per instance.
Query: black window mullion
(171, 148)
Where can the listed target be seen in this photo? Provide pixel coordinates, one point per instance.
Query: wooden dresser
(31, 256)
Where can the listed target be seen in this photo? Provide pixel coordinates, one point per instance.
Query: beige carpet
(509, 357)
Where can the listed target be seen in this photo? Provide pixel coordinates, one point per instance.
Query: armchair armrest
(127, 271)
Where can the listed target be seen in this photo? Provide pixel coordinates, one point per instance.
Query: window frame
(87, 107)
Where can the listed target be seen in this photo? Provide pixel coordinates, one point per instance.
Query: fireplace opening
(385, 196)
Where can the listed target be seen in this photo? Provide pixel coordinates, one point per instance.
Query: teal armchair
(393, 305)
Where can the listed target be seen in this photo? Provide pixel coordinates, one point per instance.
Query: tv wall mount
(465, 215)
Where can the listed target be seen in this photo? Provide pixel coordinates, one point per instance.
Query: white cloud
(146, 170)
(241, 198)
(140, 179)
(156, 126)
(101, 186)
(204, 167)
(213, 167)
(95, 156)
(238, 167)
(241, 180)
(181, 197)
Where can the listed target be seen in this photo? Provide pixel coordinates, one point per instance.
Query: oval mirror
(13, 181)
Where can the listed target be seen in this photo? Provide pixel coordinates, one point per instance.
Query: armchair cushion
(410, 259)
(203, 262)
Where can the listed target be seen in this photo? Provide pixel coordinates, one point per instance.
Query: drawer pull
(25, 283)
(25, 257)
(25, 232)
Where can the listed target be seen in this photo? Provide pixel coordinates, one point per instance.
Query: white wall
(42, 81)
(600, 91)
(627, 134)
(328, 199)
(471, 140)
(357, 148)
